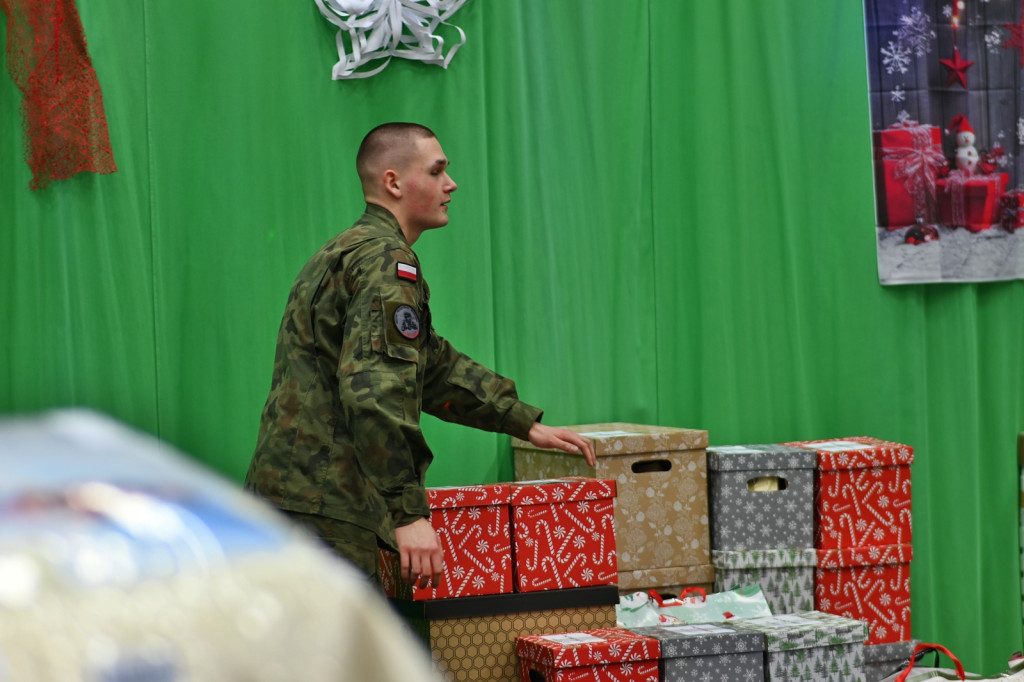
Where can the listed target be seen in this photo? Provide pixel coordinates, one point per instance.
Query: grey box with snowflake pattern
(708, 652)
(761, 496)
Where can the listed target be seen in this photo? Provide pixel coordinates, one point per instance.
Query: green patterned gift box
(811, 646)
(786, 576)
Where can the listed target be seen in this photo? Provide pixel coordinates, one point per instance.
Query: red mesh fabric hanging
(65, 128)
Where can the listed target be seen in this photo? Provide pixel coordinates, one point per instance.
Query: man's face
(426, 185)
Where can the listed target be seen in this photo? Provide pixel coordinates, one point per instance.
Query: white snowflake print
(1020, 131)
(898, 94)
(915, 32)
(993, 40)
(904, 116)
(895, 58)
(947, 11)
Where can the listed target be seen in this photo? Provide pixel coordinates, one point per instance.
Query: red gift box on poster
(970, 201)
(563, 533)
(870, 584)
(908, 158)
(603, 655)
(472, 523)
(863, 492)
(1011, 210)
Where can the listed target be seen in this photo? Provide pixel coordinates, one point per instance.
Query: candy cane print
(598, 557)
(850, 590)
(853, 532)
(836, 483)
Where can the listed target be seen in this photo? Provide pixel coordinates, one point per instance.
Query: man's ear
(391, 184)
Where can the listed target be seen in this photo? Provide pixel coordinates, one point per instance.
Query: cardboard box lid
(667, 576)
(751, 457)
(889, 651)
(619, 438)
(859, 452)
(805, 629)
(764, 558)
(882, 555)
(450, 497)
(591, 647)
(703, 639)
(559, 490)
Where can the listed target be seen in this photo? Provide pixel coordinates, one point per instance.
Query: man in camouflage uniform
(340, 446)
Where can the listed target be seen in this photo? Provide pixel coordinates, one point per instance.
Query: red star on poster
(957, 68)
(1016, 40)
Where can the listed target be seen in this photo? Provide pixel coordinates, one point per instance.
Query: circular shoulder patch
(407, 322)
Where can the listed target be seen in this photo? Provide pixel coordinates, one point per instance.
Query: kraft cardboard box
(661, 511)
(563, 533)
(870, 584)
(472, 523)
(863, 492)
(668, 580)
(761, 496)
(786, 576)
(474, 638)
(810, 646)
(707, 652)
(883, 660)
(602, 655)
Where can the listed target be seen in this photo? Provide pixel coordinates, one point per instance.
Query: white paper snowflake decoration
(375, 30)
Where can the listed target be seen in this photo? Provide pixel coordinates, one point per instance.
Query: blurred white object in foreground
(121, 559)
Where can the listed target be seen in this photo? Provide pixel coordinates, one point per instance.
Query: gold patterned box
(474, 638)
(660, 472)
(668, 580)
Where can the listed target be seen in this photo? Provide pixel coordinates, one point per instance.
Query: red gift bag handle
(922, 648)
(688, 590)
(653, 594)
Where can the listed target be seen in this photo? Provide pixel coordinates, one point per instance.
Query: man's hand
(420, 550)
(555, 437)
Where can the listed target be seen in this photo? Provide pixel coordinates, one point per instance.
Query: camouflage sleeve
(379, 384)
(458, 389)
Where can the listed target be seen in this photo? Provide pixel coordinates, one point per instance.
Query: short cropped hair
(391, 143)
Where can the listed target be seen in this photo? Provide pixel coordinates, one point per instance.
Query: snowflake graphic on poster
(895, 58)
(915, 33)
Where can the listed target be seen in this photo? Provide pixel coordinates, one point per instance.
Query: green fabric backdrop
(664, 215)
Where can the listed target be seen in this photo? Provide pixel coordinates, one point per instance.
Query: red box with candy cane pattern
(603, 655)
(870, 584)
(563, 533)
(863, 493)
(472, 523)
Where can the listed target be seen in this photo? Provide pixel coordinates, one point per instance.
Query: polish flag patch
(406, 271)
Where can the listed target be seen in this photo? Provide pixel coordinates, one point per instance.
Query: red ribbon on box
(918, 165)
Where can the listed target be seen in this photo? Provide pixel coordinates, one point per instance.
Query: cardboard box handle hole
(651, 466)
(767, 484)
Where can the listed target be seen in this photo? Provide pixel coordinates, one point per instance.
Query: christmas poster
(947, 128)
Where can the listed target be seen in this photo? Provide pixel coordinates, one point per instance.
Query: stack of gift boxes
(863, 539)
(520, 558)
(762, 522)
(534, 569)
(661, 512)
(915, 184)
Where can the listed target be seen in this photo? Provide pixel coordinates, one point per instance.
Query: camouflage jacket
(357, 361)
